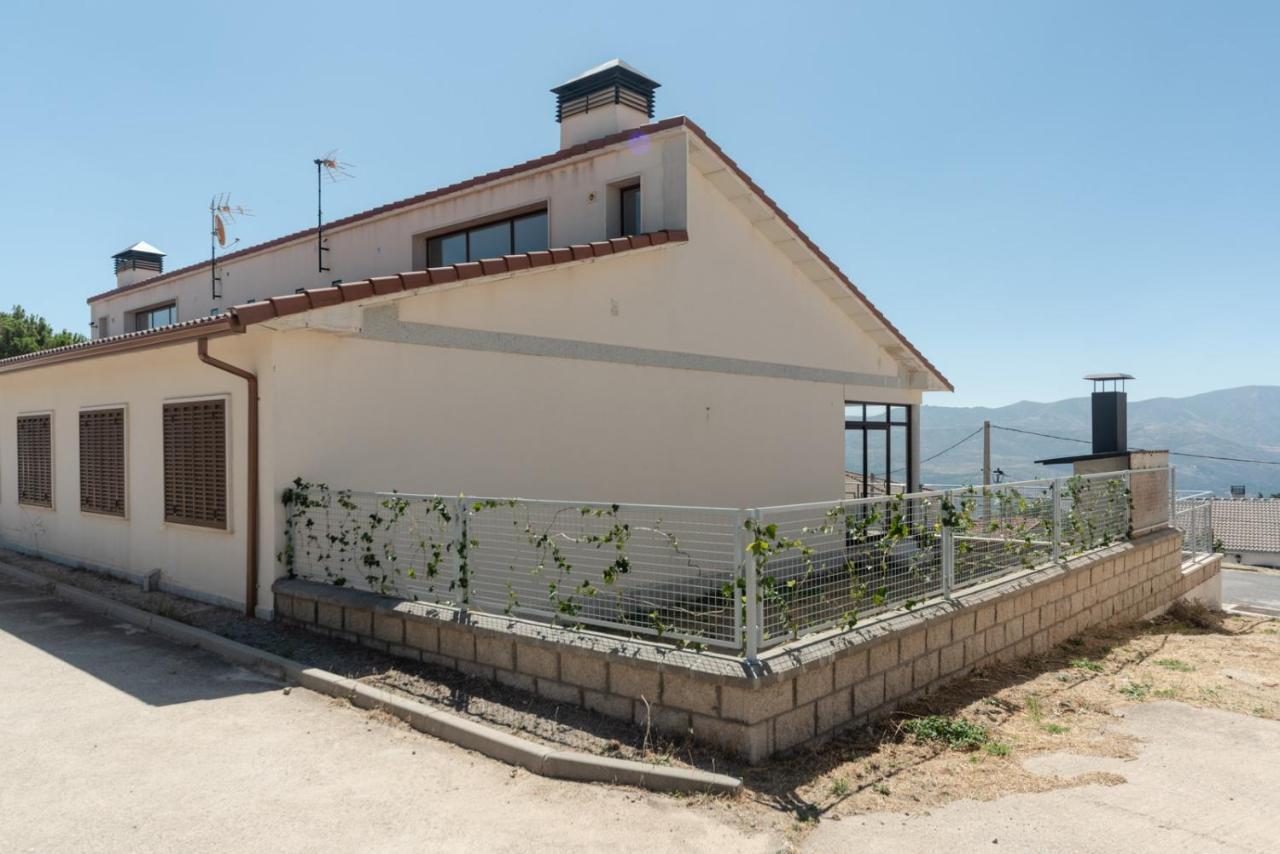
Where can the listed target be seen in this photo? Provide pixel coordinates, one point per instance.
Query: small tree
(22, 333)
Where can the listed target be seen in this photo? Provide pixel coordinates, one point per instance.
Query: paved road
(113, 739)
(1258, 592)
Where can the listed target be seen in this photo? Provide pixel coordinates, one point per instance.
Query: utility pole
(986, 470)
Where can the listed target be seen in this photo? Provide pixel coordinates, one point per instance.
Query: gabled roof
(893, 334)
(1247, 525)
(239, 317)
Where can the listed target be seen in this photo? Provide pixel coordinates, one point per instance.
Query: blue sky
(1031, 191)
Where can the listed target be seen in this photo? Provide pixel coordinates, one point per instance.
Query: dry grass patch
(968, 741)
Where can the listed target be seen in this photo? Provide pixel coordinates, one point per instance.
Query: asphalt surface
(1257, 592)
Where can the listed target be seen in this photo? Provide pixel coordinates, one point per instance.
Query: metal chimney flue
(1110, 413)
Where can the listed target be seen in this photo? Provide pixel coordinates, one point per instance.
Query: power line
(953, 447)
(1171, 453)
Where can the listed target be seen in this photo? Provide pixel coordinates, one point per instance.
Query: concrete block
(963, 625)
(815, 683)
(630, 680)
(680, 690)
(329, 615)
(537, 661)
(851, 668)
(897, 682)
(993, 639)
(675, 722)
(925, 670)
(749, 742)
(586, 671)
(358, 621)
(835, 710)
(984, 618)
(911, 645)
(423, 636)
(975, 649)
(402, 651)
(496, 651)
(883, 656)
(951, 658)
(749, 705)
(1013, 631)
(304, 610)
(868, 694)
(608, 705)
(560, 692)
(794, 727)
(519, 681)
(458, 642)
(388, 627)
(938, 635)
(478, 671)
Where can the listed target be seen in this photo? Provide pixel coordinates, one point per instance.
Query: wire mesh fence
(737, 580)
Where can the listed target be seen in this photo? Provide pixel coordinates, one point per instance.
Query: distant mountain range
(1238, 422)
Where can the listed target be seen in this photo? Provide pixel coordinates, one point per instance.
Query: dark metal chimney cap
(1112, 378)
(610, 82)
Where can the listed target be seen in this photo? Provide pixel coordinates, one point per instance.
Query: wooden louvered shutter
(35, 460)
(102, 472)
(195, 463)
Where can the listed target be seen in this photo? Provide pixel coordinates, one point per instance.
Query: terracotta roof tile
(1247, 525)
(386, 285)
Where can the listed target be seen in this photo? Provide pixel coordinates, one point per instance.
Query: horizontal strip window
(525, 233)
(35, 460)
(102, 469)
(151, 318)
(195, 463)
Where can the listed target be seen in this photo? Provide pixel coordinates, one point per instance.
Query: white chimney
(607, 99)
(139, 262)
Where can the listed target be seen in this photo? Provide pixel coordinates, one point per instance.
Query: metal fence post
(1055, 490)
(1173, 496)
(462, 571)
(753, 604)
(948, 554)
(740, 579)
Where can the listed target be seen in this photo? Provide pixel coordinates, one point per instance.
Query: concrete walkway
(112, 739)
(1206, 781)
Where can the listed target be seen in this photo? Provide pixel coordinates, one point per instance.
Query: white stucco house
(629, 318)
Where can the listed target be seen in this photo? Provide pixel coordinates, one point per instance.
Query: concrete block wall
(797, 695)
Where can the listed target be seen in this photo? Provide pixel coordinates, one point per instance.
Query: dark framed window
(35, 460)
(195, 463)
(629, 210)
(150, 318)
(877, 449)
(524, 233)
(102, 468)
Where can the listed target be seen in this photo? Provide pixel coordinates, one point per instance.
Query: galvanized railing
(1192, 514)
(736, 580)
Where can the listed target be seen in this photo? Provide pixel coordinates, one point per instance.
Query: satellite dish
(220, 229)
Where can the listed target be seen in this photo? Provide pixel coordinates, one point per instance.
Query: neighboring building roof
(140, 246)
(1248, 525)
(237, 318)
(548, 160)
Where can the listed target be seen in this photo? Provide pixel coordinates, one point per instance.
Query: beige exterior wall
(576, 194)
(192, 559)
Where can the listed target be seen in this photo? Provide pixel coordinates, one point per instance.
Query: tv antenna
(334, 170)
(221, 214)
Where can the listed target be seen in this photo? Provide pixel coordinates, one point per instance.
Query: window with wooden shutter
(35, 460)
(195, 463)
(102, 471)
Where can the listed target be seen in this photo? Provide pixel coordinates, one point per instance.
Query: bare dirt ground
(986, 738)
